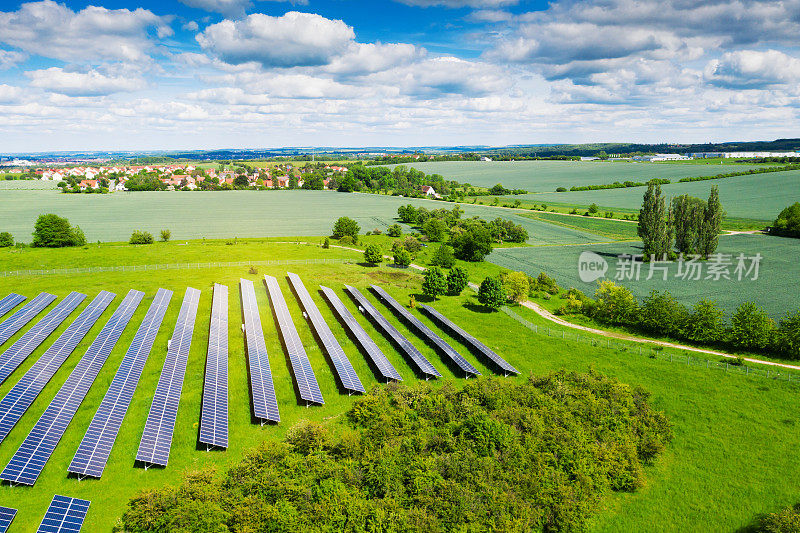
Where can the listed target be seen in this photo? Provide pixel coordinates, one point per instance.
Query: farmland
(713, 414)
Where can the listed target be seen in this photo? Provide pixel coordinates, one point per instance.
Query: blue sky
(266, 73)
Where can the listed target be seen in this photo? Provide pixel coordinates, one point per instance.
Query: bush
(614, 304)
(252, 270)
(402, 257)
(434, 229)
(661, 313)
(165, 235)
(6, 240)
(785, 521)
(412, 244)
(373, 254)
(751, 328)
(345, 226)
(141, 237)
(705, 323)
(561, 189)
(434, 283)
(491, 293)
(788, 221)
(457, 281)
(443, 257)
(544, 283)
(347, 240)
(394, 230)
(516, 286)
(326, 243)
(788, 336)
(593, 209)
(53, 231)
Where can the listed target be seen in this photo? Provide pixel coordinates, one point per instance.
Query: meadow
(734, 435)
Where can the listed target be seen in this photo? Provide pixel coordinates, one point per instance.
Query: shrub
(53, 231)
(472, 244)
(751, 328)
(165, 235)
(434, 283)
(705, 323)
(788, 221)
(402, 257)
(443, 257)
(140, 237)
(373, 254)
(516, 286)
(457, 281)
(614, 304)
(252, 270)
(661, 313)
(326, 243)
(394, 230)
(784, 521)
(788, 336)
(561, 189)
(544, 283)
(593, 209)
(346, 226)
(412, 244)
(6, 240)
(491, 293)
(347, 240)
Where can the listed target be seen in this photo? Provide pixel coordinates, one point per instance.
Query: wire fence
(172, 266)
(655, 351)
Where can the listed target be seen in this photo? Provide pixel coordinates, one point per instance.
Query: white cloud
(10, 58)
(54, 30)
(459, 3)
(232, 8)
(191, 26)
(753, 69)
(89, 83)
(490, 15)
(10, 94)
(435, 77)
(366, 58)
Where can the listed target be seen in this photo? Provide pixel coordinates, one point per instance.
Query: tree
(661, 313)
(593, 209)
(491, 293)
(240, 182)
(789, 335)
(434, 229)
(457, 281)
(615, 303)
(402, 257)
(705, 323)
(688, 214)
(472, 244)
(140, 237)
(373, 254)
(788, 221)
(165, 235)
(394, 230)
(434, 282)
(326, 243)
(53, 231)
(751, 328)
(653, 228)
(346, 226)
(443, 257)
(499, 190)
(516, 286)
(712, 222)
(348, 183)
(6, 240)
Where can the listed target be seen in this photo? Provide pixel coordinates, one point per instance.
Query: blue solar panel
(367, 344)
(214, 414)
(427, 333)
(16, 321)
(265, 404)
(7, 515)
(31, 339)
(10, 302)
(403, 344)
(474, 344)
(303, 374)
(31, 457)
(95, 448)
(347, 374)
(157, 436)
(65, 515)
(25, 391)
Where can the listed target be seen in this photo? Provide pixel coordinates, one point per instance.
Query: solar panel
(65, 515)
(157, 437)
(10, 302)
(347, 374)
(214, 414)
(265, 404)
(16, 321)
(367, 344)
(93, 452)
(425, 332)
(31, 457)
(7, 515)
(477, 346)
(402, 343)
(303, 374)
(25, 391)
(31, 339)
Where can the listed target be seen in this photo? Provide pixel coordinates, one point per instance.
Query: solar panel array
(10, 302)
(157, 437)
(31, 339)
(95, 448)
(367, 344)
(31, 457)
(25, 391)
(7, 515)
(476, 345)
(16, 321)
(65, 515)
(303, 374)
(426, 332)
(347, 374)
(265, 404)
(403, 344)
(214, 414)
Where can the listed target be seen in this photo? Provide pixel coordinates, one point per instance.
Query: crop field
(778, 272)
(715, 453)
(612, 229)
(759, 196)
(546, 176)
(27, 184)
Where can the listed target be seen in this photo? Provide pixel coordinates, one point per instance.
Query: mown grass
(734, 435)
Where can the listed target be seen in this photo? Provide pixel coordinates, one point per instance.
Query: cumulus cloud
(89, 83)
(54, 30)
(366, 58)
(751, 69)
(435, 77)
(191, 26)
(294, 39)
(459, 3)
(10, 58)
(10, 94)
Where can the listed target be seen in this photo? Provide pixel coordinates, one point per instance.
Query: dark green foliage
(6, 240)
(712, 222)
(593, 209)
(788, 338)
(348, 183)
(240, 182)
(499, 190)
(751, 328)
(662, 314)
(788, 222)
(491, 293)
(326, 243)
(498, 454)
(614, 304)
(402, 257)
(145, 183)
(506, 231)
(544, 283)
(412, 244)
(457, 280)
(471, 243)
(394, 230)
(705, 322)
(688, 214)
(434, 229)
(443, 257)
(434, 282)
(141, 237)
(53, 231)
(784, 521)
(346, 226)
(373, 254)
(653, 227)
(165, 235)
(314, 183)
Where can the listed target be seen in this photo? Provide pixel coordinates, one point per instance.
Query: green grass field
(609, 228)
(14, 184)
(733, 434)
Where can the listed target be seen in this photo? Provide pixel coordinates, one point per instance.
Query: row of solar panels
(63, 515)
(95, 448)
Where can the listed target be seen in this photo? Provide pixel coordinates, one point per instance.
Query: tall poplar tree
(654, 229)
(712, 221)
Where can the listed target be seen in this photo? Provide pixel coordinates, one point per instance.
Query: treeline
(741, 173)
(495, 455)
(618, 185)
(788, 222)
